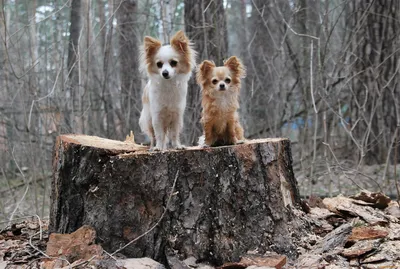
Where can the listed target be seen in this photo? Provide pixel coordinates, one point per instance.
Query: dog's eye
(214, 81)
(159, 64)
(173, 63)
(227, 80)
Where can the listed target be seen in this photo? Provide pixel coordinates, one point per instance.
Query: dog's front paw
(180, 147)
(155, 149)
(240, 142)
(204, 146)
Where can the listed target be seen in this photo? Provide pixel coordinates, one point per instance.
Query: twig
(388, 155)
(337, 161)
(44, 254)
(293, 31)
(326, 154)
(70, 266)
(19, 185)
(395, 166)
(41, 98)
(109, 255)
(157, 223)
(34, 247)
(26, 190)
(364, 175)
(312, 77)
(205, 10)
(20, 218)
(40, 227)
(316, 116)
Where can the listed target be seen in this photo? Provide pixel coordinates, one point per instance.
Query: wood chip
(376, 199)
(272, 260)
(394, 231)
(366, 233)
(74, 246)
(336, 238)
(383, 265)
(361, 248)
(320, 213)
(391, 250)
(311, 261)
(393, 210)
(378, 257)
(354, 262)
(346, 206)
(315, 201)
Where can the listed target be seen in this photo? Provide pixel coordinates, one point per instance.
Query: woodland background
(323, 73)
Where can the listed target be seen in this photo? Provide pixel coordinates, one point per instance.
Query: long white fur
(167, 102)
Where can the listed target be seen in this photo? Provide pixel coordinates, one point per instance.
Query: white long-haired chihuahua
(169, 68)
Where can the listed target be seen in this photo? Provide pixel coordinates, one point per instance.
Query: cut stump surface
(226, 200)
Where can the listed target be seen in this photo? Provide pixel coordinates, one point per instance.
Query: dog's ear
(180, 42)
(204, 70)
(151, 45)
(235, 65)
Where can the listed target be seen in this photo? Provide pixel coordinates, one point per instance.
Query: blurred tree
(129, 67)
(371, 45)
(263, 74)
(72, 64)
(205, 25)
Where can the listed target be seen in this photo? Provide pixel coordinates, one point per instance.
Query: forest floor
(362, 231)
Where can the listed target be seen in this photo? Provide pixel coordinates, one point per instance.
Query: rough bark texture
(226, 200)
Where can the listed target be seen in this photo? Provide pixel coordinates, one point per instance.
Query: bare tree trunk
(106, 91)
(3, 46)
(372, 58)
(238, 45)
(205, 24)
(32, 47)
(72, 64)
(261, 49)
(85, 95)
(129, 71)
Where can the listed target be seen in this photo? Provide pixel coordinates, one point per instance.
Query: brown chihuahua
(220, 88)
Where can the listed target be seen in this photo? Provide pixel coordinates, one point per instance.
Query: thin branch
(338, 163)
(26, 189)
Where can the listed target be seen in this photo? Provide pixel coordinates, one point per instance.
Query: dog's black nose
(165, 74)
(222, 86)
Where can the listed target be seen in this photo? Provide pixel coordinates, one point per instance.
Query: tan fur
(182, 44)
(219, 117)
(151, 46)
(145, 96)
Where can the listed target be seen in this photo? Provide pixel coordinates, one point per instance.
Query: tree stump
(222, 202)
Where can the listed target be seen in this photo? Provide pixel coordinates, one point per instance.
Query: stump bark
(226, 201)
